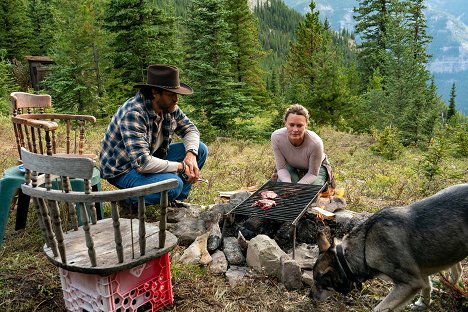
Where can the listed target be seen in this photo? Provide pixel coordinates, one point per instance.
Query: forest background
(245, 63)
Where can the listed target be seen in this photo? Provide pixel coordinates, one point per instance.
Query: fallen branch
(455, 288)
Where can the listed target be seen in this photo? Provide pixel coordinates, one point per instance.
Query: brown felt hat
(165, 77)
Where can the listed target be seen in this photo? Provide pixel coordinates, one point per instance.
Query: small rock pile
(242, 247)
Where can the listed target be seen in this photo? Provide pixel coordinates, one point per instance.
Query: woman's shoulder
(313, 136)
(279, 132)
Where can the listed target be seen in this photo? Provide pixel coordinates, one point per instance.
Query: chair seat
(103, 237)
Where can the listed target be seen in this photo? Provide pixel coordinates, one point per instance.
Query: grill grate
(291, 203)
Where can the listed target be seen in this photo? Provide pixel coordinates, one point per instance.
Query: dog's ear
(323, 243)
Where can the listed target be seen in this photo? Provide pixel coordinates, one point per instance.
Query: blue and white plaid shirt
(131, 136)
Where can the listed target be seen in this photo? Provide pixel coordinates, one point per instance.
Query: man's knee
(202, 154)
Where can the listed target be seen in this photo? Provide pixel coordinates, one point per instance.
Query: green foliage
(141, 34)
(431, 163)
(15, 29)
(388, 143)
(209, 65)
(315, 72)
(40, 13)
(451, 109)
(456, 135)
(248, 54)
(76, 81)
(7, 84)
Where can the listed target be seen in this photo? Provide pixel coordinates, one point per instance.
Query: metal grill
(291, 203)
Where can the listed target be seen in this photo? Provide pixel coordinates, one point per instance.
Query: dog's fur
(403, 244)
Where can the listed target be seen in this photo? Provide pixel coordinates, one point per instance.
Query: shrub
(388, 143)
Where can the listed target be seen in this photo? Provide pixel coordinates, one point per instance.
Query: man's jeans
(176, 153)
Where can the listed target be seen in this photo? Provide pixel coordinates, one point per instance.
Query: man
(137, 148)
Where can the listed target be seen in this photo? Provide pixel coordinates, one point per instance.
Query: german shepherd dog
(403, 244)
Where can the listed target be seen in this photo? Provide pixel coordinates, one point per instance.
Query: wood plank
(106, 254)
(102, 196)
(322, 213)
(82, 167)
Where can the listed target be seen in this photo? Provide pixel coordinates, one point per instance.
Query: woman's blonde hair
(297, 109)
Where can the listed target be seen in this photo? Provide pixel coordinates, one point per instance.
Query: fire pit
(290, 204)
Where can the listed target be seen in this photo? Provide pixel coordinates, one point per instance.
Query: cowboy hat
(165, 77)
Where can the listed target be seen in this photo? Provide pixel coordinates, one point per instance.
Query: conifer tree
(451, 110)
(418, 26)
(43, 26)
(209, 67)
(141, 34)
(245, 43)
(372, 18)
(15, 29)
(315, 72)
(73, 82)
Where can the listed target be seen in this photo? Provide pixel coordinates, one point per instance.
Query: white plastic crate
(146, 287)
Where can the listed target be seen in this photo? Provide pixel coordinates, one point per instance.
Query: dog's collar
(345, 267)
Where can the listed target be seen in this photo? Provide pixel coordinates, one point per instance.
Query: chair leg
(22, 210)
(99, 210)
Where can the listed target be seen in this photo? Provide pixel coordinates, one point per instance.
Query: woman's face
(296, 126)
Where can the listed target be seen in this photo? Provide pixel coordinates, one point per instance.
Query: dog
(403, 244)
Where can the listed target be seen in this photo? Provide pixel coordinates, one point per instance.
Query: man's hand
(191, 171)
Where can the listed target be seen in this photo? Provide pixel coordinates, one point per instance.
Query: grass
(28, 282)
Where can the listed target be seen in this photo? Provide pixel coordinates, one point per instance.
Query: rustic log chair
(107, 246)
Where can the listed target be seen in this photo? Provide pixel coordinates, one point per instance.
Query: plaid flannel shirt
(131, 136)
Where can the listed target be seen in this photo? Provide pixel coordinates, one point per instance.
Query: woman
(299, 153)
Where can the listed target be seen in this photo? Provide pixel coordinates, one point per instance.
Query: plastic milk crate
(146, 287)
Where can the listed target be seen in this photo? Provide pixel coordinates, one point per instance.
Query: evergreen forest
(245, 63)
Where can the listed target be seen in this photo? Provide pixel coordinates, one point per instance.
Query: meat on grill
(268, 195)
(264, 204)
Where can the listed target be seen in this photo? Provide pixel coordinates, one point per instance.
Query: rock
(187, 230)
(235, 274)
(306, 255)
(290, 273)
(232, 251)
(308, 277)
(346, 220)
(215, 238)
(263, 255)
(239, 197)
(243, 243)
(219, 265)
(197, 253)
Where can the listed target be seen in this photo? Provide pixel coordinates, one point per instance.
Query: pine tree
(74, 81)
(418, 26)
(315, 71)
(141, 34)
(372, 17)
(15, 29)
(43, 26)
(246, 64)
(451, 110)
(208, 66)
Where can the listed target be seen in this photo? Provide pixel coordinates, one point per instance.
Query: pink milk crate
(146, 287)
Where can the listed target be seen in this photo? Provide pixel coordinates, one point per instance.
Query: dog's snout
(319, 294)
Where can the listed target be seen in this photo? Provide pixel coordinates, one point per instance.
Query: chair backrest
(104, 246)
(27, 103)
(67, 139)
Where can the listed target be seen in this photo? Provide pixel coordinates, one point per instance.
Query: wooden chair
(32, 107)
(109, 246)
(44, 133)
